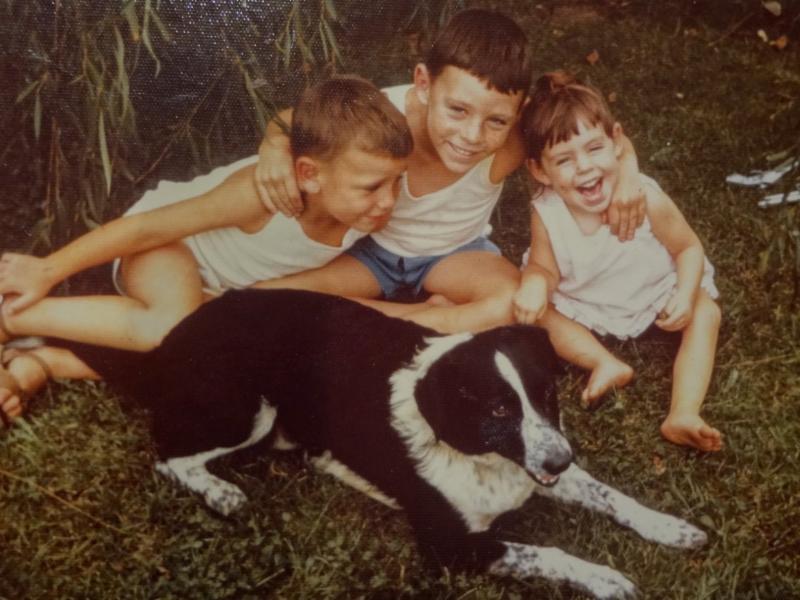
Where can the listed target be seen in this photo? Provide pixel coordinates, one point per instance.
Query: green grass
(83, 515)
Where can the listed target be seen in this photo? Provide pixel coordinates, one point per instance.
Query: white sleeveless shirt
(229, 258)
(440, 222)
(609, 286)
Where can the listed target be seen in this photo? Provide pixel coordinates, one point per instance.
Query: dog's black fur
(455, 430)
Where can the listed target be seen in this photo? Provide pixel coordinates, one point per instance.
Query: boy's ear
(536, 171)
(617, 137)
(306, 171)
(422, 83)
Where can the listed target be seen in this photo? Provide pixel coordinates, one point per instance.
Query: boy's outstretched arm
(274, 175)
(540, 277)
(628, 208)
(32, 277)
(671, 229)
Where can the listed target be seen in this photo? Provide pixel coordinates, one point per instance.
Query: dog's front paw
(672, 531)
(605, 583)
(688, 536)
(224, 498)
(523, 561)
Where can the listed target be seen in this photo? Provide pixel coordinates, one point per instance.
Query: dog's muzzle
(553, 457)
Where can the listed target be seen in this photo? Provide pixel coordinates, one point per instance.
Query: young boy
(184, 242)
(462, 109)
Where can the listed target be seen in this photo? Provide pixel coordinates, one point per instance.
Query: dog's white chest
(481, 487)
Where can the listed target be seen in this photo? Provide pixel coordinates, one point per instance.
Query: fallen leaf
(275, 471)
(593, 57)
(773, 7)
(612, 97)
(780, 43)
(679, 95)
(762, 35)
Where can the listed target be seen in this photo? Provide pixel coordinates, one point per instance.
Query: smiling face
(466, 121)
(356, 188)
(583, 170)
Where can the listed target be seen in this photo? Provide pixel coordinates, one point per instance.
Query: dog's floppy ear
(531, 343)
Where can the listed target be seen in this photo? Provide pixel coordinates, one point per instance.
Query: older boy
(462, 109)
(184, 242)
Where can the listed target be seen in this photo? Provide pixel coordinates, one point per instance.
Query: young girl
(184, 242)
(580, 277)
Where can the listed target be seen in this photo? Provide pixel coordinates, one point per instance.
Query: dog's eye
(500, 411)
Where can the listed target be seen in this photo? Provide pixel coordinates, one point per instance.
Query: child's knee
(151, 329)
(500, 305)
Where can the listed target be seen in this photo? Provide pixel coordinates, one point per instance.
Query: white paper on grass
(778, 199)
(763, 178)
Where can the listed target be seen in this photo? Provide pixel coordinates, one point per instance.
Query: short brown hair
(487, 44)
(346, 109)
(559, 103)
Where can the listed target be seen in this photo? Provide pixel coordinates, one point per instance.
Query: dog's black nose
(558, 461)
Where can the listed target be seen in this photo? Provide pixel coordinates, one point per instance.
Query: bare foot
(691, 430)
(606, 375)
(10, 405)
(27, 376)
(5, 334)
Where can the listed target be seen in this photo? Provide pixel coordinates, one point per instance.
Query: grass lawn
(83, 515)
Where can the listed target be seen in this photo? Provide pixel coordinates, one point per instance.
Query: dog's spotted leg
(190, 471)
(523, 561)
(576, 486)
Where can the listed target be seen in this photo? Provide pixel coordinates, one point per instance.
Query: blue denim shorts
(395, 273)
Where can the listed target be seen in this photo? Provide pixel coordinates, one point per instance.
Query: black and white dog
(454, 429)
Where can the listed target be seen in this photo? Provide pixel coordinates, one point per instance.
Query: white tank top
(609, 286)
(442, 221)
(230, 258)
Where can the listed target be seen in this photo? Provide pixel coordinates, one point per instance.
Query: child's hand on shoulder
(677, 314)
(27, 276)
(275, 180)
(627, 210)
(530, 301)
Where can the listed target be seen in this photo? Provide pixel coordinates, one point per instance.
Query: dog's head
(495, 392)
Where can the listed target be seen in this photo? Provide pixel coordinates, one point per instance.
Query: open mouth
(544, 479)
(592, 192)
